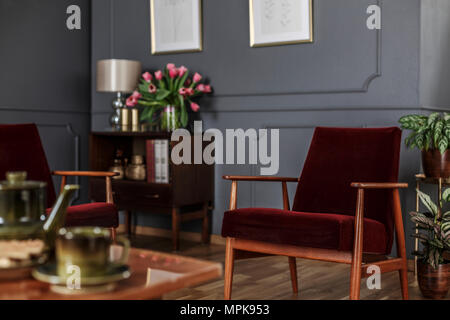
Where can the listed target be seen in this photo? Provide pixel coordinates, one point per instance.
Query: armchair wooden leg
(205, 224)
(356, 266)
(400, 237)
(229, 266)
(355, 279)
(293, 269)
(176, 228)
(404, 283)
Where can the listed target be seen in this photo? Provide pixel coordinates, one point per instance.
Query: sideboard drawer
(132, 195)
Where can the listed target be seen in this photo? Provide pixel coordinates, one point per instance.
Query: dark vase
(433, 283)
(435, 164)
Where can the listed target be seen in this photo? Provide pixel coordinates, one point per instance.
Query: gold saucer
(60, 289)
(107, 282)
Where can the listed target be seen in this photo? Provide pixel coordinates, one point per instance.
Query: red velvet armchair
(345, 210)
(21, 150)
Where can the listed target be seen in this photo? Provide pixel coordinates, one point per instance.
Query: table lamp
(119, 76)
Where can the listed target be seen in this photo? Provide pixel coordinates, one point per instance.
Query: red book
(150, 153)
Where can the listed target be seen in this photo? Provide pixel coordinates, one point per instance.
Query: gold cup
(89, 250)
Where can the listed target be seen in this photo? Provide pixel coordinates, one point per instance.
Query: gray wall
(45, 76)
(435, 52)
(335, 71)
(349, 76)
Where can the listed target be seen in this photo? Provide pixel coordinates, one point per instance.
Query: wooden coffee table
(153, 275)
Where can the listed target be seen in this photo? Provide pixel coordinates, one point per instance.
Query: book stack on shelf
(157, 152)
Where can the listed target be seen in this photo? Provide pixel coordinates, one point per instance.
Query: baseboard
(165, 233)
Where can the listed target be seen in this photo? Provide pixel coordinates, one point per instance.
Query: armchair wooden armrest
(260, 178)
(106, 174)
(379, 185)
(235, 179)
(361, 186)
(85, 173)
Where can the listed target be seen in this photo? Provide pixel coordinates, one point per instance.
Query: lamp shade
(114, 75)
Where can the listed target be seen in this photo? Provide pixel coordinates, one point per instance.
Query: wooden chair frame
(241, 248)
(108, 176)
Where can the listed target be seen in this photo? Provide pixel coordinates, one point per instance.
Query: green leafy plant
(428, 132)
(434, 229)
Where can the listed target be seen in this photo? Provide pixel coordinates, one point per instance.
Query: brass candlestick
(135, 120)
(125, 118)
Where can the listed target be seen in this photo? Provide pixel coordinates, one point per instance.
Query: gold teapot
(136, 169)
(22, 209)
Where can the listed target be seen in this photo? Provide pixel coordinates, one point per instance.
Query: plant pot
(170, 119)
(435, 164)
(433, 283)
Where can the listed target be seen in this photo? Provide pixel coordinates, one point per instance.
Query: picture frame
(176, 26)
(280, 22)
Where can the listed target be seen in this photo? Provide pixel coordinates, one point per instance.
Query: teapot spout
(57, 216)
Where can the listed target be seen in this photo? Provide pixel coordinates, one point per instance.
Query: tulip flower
(158, 75)
(182, 91)
(190, 91)
(204, 88)
(136, 95)
(147, 77)
(170, 66)
(152, 88)
(195, 107)
(173, 73)
(201, 88)
(182, 70)
(197, 77)
(131, 101)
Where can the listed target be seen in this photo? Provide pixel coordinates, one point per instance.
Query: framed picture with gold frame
(176, 26)
(279, 22)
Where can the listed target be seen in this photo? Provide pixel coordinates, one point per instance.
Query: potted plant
(434, 235)
(431, 135)
(165, 94)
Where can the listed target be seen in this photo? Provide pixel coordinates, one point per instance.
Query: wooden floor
(268, 277)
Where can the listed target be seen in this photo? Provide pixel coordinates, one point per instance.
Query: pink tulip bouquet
(171, 88)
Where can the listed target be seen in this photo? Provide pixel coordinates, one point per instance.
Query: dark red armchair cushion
(96, 214)
(326, 231)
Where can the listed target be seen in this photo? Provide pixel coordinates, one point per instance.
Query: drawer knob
(152, 196)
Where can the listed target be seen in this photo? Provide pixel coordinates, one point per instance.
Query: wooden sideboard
(188, 196)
